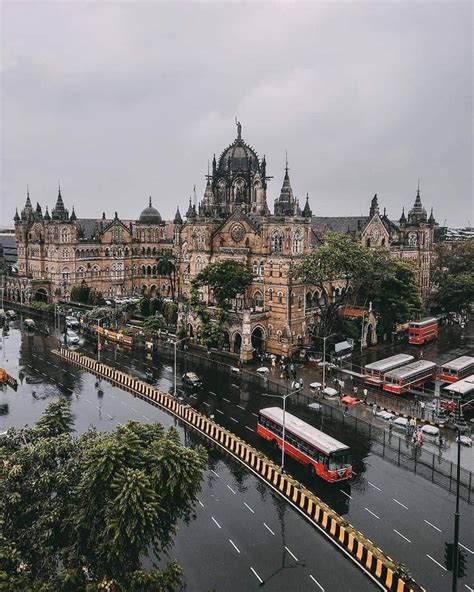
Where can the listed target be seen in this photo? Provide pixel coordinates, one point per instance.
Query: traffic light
(461, 563)
(448, 556)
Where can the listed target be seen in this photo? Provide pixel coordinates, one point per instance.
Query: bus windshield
(339, 461)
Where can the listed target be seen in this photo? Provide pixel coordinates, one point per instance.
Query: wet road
(407, 516)
(241, 534)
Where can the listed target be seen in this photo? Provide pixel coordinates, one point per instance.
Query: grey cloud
(123, 100)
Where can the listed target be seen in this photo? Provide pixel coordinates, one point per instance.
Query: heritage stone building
(58, 250)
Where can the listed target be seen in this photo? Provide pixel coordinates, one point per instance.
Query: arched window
(199, 264)
(261, 269)
(200, 241)
(279, 336)
(143, 270)
(107, 253)
(270, 294)
(64, 235)
(257, 300)
(148, 270)
(95, 271)
(270, 268)
(297, 242)
(270, 330)
(255, 268)
(280, 297)
(154, 270)
(65, 253)
(80, 272)
(277, 241)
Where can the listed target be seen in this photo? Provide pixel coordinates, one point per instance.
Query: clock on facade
(237, 232)
(375, 234)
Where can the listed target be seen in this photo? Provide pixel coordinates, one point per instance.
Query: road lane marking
(469, 588)
(134, 410)
(111, 395)
(269, 529)
(249, 429)
(231, 489)
(349, 496)
(247, 506)
(219, 411)
(109, 416)
(400, 503)
(292, 554)
(433, 526)
(254, 414)
(234, 545)
(370, 512)
(316, 582)
(240, 407)
(218, 476)
(205, 403)
(353, 472)
(215, 522)
(400, 534)
(374, 486)
(145, 417)
(200, 503)
(88, 400)
(233, 419)
(434, 561)
(468, 550)
(123, 403)
(256, 575)
(214, 395)
(227, 400)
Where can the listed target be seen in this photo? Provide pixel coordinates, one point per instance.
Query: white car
(72, 322)
(72, 338)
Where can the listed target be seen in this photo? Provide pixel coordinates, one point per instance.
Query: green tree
(154, 323)
(79, 513)
(453, 277)
(227, 280)
(392, 287)
(338, 258)
(166, 267)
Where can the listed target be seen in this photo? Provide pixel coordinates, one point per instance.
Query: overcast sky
(125, 100)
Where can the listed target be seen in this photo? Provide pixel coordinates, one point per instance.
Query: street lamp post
(284, 397)
(98, 337)
(175, 343)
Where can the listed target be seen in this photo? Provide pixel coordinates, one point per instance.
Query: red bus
(457, 369)
(420, 332)
(324, 456)
(402, 379)
(375, 371)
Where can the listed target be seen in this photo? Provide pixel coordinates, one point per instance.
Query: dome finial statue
(239, 128)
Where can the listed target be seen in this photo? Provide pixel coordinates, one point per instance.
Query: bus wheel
(311, 471)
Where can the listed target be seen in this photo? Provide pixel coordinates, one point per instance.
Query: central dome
(240, 157)
(150, 215)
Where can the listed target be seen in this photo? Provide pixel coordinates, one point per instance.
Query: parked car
(71, 337)
(29, 324)
(11, 314)
(192, 380)
(72, 322)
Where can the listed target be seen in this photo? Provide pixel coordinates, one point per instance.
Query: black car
(191, 380)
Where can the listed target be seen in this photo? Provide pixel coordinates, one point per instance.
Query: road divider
(374, 562)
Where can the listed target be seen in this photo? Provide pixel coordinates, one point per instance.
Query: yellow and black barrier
(5, 377)
(372, 559)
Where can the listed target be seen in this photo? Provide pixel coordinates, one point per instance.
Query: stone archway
(258, 339)
(41, 295)
(237, 343)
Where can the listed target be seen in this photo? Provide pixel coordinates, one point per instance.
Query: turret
(73, 216)
(177, 217)
(307, 213)
(374, 206)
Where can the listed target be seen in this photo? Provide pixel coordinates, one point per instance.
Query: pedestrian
(390, 424)
(287, 374)
(374, 409)
(292, 367)
(366, 392)
(422, 407)
(293, 372)
(301, 383)
(440, 440)
(355, 391)
(293, 384)
(273, 363)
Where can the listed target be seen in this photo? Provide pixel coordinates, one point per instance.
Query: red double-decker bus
(323, 455)
(457, 369)
(402, 379)
(420, 332)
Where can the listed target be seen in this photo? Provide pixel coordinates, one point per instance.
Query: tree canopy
(453, 277)
(227, 279)
(338, 258)
(166, 267)
(79, 513)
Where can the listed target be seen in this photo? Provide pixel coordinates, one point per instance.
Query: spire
(190, 213)
(177, 217)
(46, 216)
(402, 217)
(307, 213)
(28, 200)
(16, 217)
(149, 202)
(286, 193)
(374, 206)
(431, 219)
(73, 215)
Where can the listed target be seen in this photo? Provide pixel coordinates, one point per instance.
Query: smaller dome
(150, 215)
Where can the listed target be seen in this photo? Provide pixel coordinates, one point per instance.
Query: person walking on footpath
(365, 392)
(422, 407)
(374, 409)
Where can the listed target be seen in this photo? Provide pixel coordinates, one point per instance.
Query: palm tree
(166, 267)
